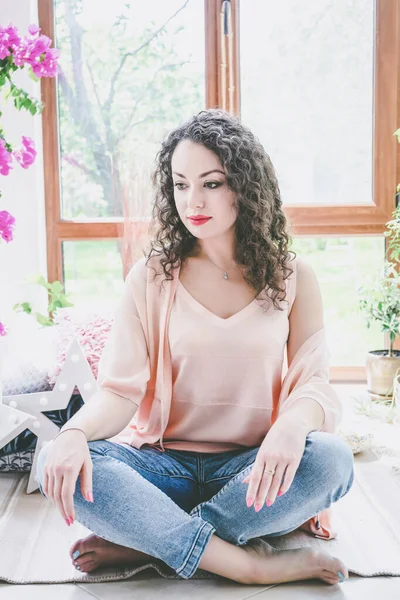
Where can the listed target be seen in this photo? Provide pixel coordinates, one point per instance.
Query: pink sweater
(136, 364)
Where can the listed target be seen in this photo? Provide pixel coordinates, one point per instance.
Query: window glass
(93, 273)
(342, 266)
(130, 72)
(306, 73)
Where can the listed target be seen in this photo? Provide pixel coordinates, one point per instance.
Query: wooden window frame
(222, 77)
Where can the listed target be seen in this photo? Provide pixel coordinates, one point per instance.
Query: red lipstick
(199, 219)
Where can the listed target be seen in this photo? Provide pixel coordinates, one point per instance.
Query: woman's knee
(330, 457)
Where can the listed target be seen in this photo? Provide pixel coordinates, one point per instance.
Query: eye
(216, 184)
(179, 184)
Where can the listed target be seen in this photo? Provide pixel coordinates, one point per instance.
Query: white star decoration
(24, 411)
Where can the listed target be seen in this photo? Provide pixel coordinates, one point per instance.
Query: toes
(74, 548)
(332, 565)
(87, 566)
(329, 577)
(82, 560)
(83, 545)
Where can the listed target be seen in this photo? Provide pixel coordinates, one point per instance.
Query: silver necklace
(225, 272)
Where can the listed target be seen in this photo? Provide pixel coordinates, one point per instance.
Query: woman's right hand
(67, 457)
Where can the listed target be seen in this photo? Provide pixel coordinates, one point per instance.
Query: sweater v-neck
(199, 308)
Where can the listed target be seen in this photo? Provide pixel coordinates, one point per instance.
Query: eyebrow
(203, 174)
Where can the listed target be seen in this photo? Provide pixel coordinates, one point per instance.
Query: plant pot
(381, 370)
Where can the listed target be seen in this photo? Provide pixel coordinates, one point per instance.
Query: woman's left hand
(282, 450)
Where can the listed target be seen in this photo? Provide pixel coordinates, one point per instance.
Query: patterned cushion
(28, 378)
(28, 354)
(20, 450)
(20, 461)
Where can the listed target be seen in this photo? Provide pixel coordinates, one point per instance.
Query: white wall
(22, 189)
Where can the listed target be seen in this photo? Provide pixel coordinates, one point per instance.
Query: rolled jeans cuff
(190, 566)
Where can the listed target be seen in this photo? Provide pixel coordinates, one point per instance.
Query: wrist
(306, 414)
(77, 429)
(292, 421)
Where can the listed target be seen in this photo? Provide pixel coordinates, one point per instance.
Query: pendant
(226, 275)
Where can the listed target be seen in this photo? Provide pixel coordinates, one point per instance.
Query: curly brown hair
(260, 228)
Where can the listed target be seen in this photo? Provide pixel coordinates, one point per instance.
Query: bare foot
(279, 566)
(97, 552)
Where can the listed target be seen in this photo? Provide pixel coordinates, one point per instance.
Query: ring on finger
(270, 471)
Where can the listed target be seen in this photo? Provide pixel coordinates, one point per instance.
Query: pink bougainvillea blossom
(33, 29)
(7, 223)
(35, 50)
(3, 330)
(26, 154)
(9, 40)
(48, 66)
(5, 159)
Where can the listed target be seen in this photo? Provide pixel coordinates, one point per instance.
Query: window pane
(121, 89)
(307, 92)
(93, 274)
(341, 265)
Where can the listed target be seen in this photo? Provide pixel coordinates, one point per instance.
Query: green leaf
(66, 303)
(43, 320)
(32, 75)
(7, 94)
(56, 287)
(24, 307)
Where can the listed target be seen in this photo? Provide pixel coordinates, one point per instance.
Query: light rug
(34, 540)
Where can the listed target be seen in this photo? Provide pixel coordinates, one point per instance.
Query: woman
(220, 451)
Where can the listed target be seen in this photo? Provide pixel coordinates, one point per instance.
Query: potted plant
(381, 303)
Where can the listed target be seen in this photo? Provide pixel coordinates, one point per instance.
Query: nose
(194, 199)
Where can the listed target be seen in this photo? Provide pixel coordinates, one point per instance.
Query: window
(317, 82)
(308, 92)
(342, 265)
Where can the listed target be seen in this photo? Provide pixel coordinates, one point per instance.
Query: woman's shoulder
(142, 266)
(147, 271)
(302, 279)
(301, 275)
(300, 268)
(305, 273)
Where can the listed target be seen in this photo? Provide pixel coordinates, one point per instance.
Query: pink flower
(27, 153)
(35, 50)
(33, 29)
(5, 159)
(7, 223)
(3, 330)
(9, 40)
(48, 66)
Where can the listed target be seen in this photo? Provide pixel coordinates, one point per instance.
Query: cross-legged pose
(213, 428)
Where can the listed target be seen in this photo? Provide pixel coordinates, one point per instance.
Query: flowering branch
(33, 52)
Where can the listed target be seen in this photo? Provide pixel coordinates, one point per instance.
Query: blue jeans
(168, 504)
